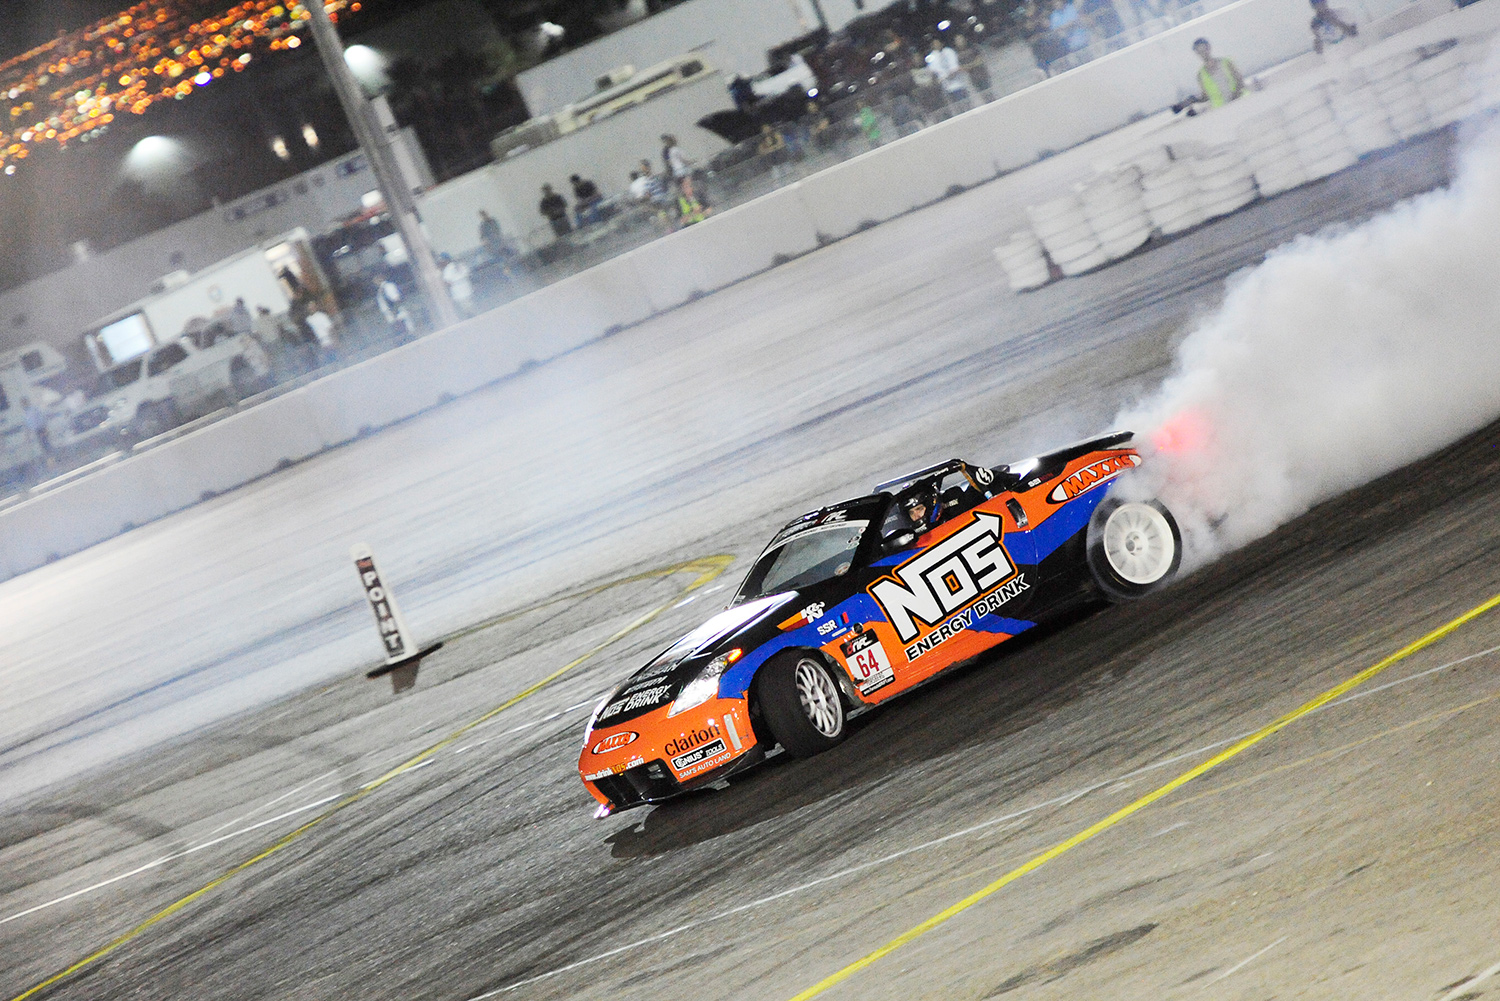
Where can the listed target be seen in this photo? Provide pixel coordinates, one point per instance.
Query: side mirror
(900, 540)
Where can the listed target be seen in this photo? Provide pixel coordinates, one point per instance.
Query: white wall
(737, 32)
(725, 248)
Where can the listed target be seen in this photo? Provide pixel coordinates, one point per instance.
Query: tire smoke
(1343, 356)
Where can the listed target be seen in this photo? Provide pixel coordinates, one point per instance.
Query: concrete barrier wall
(726, 248)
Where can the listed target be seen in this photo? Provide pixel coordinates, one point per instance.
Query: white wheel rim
(1138, 543)
(820, 699)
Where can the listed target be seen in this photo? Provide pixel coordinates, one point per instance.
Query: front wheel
(801, 704)
(1134, 548)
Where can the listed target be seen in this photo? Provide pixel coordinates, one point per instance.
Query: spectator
(943, 62)
(324, 341)
(1329, 27)
(772, 146)
(971, 61)
(491, 237)
(819, 128)
(240, 321)
(555, 207)
(393, 306)
(36, 423)
(456, 277)
(1219, 79)
(586, 201)
(1067, 26)
(905, 115)
(1101, 18)
(677, 165)
(300, 345)
(868, 124)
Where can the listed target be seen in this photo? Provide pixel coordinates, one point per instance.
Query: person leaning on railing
(1218, 78)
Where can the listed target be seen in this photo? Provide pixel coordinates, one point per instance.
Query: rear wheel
(1134, 548)
(156, 418)
(801, 704)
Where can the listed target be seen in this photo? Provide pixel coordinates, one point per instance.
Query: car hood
(658, 682)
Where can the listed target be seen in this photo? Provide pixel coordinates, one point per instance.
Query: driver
(921, 509)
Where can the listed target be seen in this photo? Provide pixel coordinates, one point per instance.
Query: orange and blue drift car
(861, 601)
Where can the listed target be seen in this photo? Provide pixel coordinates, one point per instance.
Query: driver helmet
(926, 499)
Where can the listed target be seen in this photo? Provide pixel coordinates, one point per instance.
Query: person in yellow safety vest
(1219, 79)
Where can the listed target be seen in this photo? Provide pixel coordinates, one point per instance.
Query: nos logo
(945, 578)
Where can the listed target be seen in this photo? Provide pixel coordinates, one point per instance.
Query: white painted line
(270, 803)
(168, 858)
(1246, 961)
(1469, 984)
(1173, 827)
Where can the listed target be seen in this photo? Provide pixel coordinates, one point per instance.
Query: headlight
(705, 686)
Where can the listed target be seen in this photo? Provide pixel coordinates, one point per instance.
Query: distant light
(244, 60)
(367, 65)
(551, 30)
(944, 25)
(979, 28)
(293, 42)
(156, 160)
(278, 146)
(812, 92)
(10, 170)
(878, 57)
(202, 78)
(310, 135)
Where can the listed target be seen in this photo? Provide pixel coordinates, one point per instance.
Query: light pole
(372, 140)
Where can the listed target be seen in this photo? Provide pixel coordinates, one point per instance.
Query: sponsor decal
(614, 741)
(647, 697)
(385, 612)
(982, 476)
(828, 627)
(939, 581)
(692, 739)
(807, 616)
(868, 664)
(835, 516)
(683, 763)
(1092, 475)
(968, 617)
(595, 776)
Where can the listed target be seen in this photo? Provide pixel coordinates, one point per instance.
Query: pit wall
(728, 247)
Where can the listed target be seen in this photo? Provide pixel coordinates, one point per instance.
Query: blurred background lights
(310, 135)
(368, 67)
(279, 147)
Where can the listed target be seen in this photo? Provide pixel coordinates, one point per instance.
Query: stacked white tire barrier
(1398, 93)
(1321, 144)
(1271, 154)
(1446, 84)
(1024, 263)
(1362, 117)
(1064, 230)
(1112, 204)
(1224, 180)
(1170, 197)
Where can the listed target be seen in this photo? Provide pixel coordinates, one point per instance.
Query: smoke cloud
(1343, 356)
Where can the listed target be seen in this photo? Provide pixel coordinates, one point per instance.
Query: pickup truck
(184, 378)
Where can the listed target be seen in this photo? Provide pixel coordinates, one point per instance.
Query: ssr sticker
(945, 578)
(868, 664)
(1092, 475)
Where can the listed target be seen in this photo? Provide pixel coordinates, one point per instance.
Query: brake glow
(706, 685)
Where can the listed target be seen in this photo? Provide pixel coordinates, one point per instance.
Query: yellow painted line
(707, 567)
(1239, 747)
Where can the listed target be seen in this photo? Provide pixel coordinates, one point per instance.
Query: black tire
(245, 381)
(801, 703)
(1134, 548)
(155, 418)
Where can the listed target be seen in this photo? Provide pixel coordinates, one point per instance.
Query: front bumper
(668, 755)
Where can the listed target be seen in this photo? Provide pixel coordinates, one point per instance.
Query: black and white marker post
(402, 658)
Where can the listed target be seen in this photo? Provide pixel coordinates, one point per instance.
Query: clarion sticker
(1092, 475)
(963, 620)
(614, 741)
(692, 739)
(939, 581)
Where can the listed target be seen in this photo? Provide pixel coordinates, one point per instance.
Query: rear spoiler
(1045, 467)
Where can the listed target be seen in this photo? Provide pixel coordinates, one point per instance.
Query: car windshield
(809, 557)
(117, 377)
